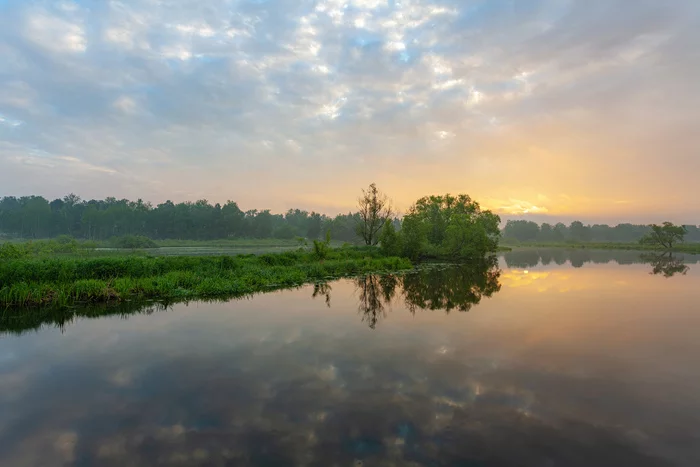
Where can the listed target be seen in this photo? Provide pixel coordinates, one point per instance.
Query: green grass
(231, 243)
(118, 246)
(63, 281)
(229, 246)
(693, 248)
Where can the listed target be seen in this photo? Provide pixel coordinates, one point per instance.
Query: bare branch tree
(375, 209)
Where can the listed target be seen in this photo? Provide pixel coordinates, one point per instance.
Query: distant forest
(36, 217)
(577, 232)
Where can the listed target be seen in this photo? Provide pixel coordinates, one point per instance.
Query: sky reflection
(599, 374)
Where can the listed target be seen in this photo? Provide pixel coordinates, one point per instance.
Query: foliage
(664, 236)
(63, 281)
(302, 242)
(62, 245)
(374, 211)
(132, 242)
(12, 251)
(323, 248)
(449, 226)
(693, 248)
(523, 231)
(579, 232)
(412, 237)
(389, 240)
(35, 217)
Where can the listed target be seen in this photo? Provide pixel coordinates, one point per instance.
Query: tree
(412, 237)
(521, 230)
(314, 223)
(375, 210)
(546, 233)
(454, 226)
(560, 232)
(664, 236)
(579, 232)
(389, 240)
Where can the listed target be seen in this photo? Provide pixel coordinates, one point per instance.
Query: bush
(64, 240)
(132, 242)
(322, 248)
(12, 251)
(389, 240)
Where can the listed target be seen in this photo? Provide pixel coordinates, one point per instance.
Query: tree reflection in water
(666, 265)
(323, 289)
(454, 287)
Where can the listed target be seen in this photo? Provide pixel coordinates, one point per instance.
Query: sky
(548, 109)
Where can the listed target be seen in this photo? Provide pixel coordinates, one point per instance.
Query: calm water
(553, 359)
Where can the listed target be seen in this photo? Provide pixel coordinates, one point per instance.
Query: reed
(65, 281)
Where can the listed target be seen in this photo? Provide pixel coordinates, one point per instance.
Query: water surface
(552, 358)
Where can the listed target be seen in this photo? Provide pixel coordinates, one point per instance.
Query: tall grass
(63, 281)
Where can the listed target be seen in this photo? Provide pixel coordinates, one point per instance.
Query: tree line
(36, 217)
(435, 226)
(529, 231)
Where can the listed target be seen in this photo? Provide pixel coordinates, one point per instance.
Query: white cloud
(204, 83)
(55, 33)
(11, 122)
(126, 104)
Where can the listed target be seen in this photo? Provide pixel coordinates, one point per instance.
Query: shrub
(132, 242)
(12, 251)
(322, 248)
(389, 240)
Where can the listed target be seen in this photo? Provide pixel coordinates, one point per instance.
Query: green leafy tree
(546, 233)
(314, 225)
(521, 230)
(454, 226)
(664, 236)
(579, 232)
(389, 240)
(413, 237)
(468, 236)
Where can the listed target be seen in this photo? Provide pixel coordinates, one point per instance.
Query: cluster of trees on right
(528, 231)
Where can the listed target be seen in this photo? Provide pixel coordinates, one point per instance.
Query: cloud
(503, 100)
(10, 122)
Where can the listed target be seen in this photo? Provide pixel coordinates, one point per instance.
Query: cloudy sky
(562, 108)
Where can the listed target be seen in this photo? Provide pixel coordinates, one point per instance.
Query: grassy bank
(692, 248)
(61, 281)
